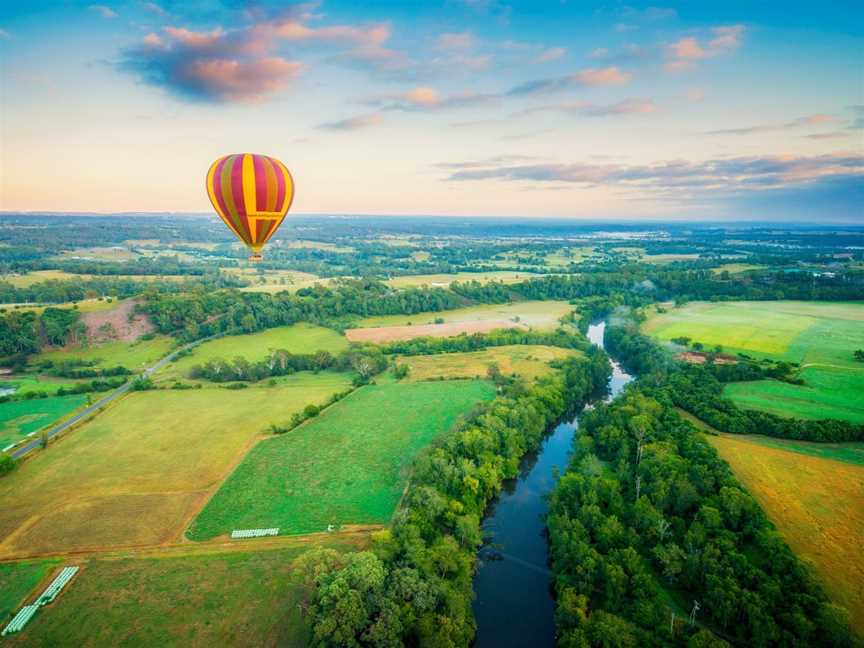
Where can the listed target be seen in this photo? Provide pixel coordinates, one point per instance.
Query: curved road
(36, 442)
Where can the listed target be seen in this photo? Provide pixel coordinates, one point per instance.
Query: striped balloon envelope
(251, 193)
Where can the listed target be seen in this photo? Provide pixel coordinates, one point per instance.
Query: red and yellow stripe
(251, 193)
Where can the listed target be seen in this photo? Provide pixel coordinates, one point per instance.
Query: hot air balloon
(251, 193)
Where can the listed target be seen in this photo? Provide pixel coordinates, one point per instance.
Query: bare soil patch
(699, 357)
(449, 329)
(119, 323)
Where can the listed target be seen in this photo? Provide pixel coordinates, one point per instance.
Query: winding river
(513, 601)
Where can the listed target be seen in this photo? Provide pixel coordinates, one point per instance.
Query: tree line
(414, 587)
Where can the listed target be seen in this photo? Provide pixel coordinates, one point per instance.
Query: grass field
(20, 418)
(36, 276)
(528, 361)
(17, 581)
(821, 336)
(536, 314)
(346, 466)
(136, 474)
(299, 338)
(135, 356)
(735, 268)
(436, 280)
(275, 280)
(816, 505)
(34, 384)
(236, 598)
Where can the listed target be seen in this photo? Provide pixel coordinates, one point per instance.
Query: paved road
(36, 441)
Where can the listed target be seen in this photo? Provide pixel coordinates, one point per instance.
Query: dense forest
(648, 521)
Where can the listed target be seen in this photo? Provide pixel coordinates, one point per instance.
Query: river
(513, 601)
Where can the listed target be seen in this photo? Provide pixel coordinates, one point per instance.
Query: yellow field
(735, 268)
(528, 361)
(535, 314)
(444, 280)
(816, 505)
(115, 253)
(137, 473)
(30, 278)
(273, 281)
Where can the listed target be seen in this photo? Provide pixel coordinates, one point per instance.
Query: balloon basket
(256, 258)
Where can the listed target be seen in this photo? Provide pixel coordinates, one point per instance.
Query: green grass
(30, 384)
(135, 356)
(17, 580)
(348, 466)
(299, 338)
(851, 453)
(237, 598)
(821, 336)
(19, 418)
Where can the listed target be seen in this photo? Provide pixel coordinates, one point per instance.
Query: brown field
(136, 474)
(816, 504)
(116, 324)
(394, 333)
(699, 357)
(529, 361)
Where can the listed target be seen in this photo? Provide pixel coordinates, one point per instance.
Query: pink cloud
(238, 81)
(551, 54)
(602, 76)
(683, 53)
(457, 40)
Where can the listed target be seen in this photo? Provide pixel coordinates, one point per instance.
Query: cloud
(551, 54)
(695, 94)
(185, 61)
(685, 180)
(354, 123)
(102, 10)
(4, 34)
(455, 41)
(802, 122)
(587, 77)
(425, 98)
(214, 66)
(683, 53)
(154, 8)
(630, 106)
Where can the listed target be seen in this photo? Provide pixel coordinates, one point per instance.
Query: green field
(17, 580)
(20, 418)
(446, 279)
(299, 338)
(32, 384)
(236, 598)
(135, 356)
(137, 473)
(821, 336)
(348, 466)
(536, 314)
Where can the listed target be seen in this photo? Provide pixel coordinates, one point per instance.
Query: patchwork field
(543, 315)
(20, 418)
(137, 473)
(816, 505)
(821, 336)
(443, 280)
(346, 466)
(236, 598)
(135, 356)
(299, 338)
(528, 361)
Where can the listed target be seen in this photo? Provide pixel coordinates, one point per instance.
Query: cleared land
(20, 418)
(543, 315)
(735, 268)
(136, 474)
(135, 356)
(821, 336)
(816, 505)
(299, 338)
(528, 361)
(346, 466)
(443, 280)
(236, 598)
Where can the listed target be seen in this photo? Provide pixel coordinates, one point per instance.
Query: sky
(698, 110)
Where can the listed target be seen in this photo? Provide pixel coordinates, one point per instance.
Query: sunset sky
(454, 107)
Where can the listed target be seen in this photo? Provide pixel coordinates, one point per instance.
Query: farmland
(20, 418)
(821, 336)
(816, 505)
(346, 466)
(196, 600)
(435, 280)
(151, 461)
(299, 338)
(135, 356)
(17, 580)
(527, 361)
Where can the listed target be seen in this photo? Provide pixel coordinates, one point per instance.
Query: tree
(859, 355)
